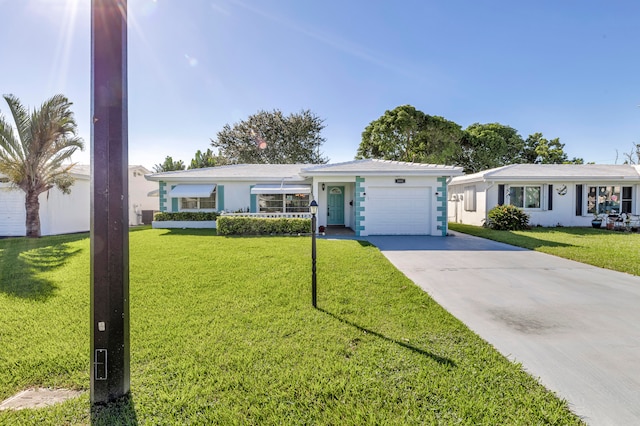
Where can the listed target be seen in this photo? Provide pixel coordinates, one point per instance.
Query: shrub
(507, 218)
(238, 225)
(187, 216)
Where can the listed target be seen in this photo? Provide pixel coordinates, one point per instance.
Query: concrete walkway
(574, 326)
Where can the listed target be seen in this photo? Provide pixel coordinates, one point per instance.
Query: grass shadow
(206, 232)
(436, 358)
(119, 412)
(364, 243)
(22, 260)
(529, 242)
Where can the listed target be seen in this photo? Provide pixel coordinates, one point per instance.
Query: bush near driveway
(223, 332)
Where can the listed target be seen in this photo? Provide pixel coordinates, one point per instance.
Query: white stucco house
(552, 194)
(372, 197)
(66, 213)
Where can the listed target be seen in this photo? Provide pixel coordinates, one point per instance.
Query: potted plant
(596, 222)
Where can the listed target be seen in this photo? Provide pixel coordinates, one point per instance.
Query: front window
(525, 197)
(606, 199)
(192, 203)
(283, 203)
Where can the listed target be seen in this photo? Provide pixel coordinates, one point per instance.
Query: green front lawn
(223, 332)
(619, 251)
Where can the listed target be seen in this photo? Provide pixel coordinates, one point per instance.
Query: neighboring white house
(552, 194)
(372, 197)
(66, 213)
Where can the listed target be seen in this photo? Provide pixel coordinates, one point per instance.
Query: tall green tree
(270, 137)
(206, 159)
(169, 165)
(33, 154)
(486, 146)
(539, 150)
(408, 134)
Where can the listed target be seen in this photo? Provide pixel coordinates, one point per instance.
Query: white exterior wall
(66, 213)
(139, 187)
(456, 211)
(563, 212)
(237, 195)
(59, 213)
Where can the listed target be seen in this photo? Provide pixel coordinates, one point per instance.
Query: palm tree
(32, 158)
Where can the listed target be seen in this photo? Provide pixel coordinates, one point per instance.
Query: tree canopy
(538, 150)
(272, 138)
(33, 156)
(169, 165)
(206, 159)
(486, 146)
(408, 134)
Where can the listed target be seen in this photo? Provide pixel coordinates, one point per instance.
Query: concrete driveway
(575, 327)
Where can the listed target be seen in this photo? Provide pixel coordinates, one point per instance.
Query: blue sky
(569, 69)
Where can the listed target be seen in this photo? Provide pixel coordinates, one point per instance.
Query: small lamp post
(313, 208)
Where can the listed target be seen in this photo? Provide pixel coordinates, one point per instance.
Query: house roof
(381, 167)
(553, 172)
(83, 171)
(240, 172)
(299, 172)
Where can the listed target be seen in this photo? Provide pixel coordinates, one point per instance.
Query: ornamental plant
(507, 218)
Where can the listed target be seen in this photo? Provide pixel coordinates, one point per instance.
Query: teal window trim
(220, 203)
(174, 202)
(253, 201)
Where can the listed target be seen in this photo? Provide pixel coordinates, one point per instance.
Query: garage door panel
(398, 211)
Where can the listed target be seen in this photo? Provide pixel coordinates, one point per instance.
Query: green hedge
(187, 216)
(238, 225)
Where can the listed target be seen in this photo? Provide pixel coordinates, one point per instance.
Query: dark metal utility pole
(109, 202)
(313, 208)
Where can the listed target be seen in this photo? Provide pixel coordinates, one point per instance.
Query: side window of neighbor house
(527, 197)
(606, 199)
(191, 203)
(470, 198)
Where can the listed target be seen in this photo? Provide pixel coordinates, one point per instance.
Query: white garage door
(11, 213)
(398, 211)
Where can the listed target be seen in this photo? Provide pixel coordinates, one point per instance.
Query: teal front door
(335, 205)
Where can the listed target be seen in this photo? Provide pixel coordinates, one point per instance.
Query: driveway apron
(574, 326)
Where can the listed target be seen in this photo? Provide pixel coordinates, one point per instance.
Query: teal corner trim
(360, 209)
(253, 202)
(220, 191)
(441, 199)
(162, 194)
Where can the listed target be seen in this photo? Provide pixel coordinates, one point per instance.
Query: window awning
(281, 189)
(192, 191)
